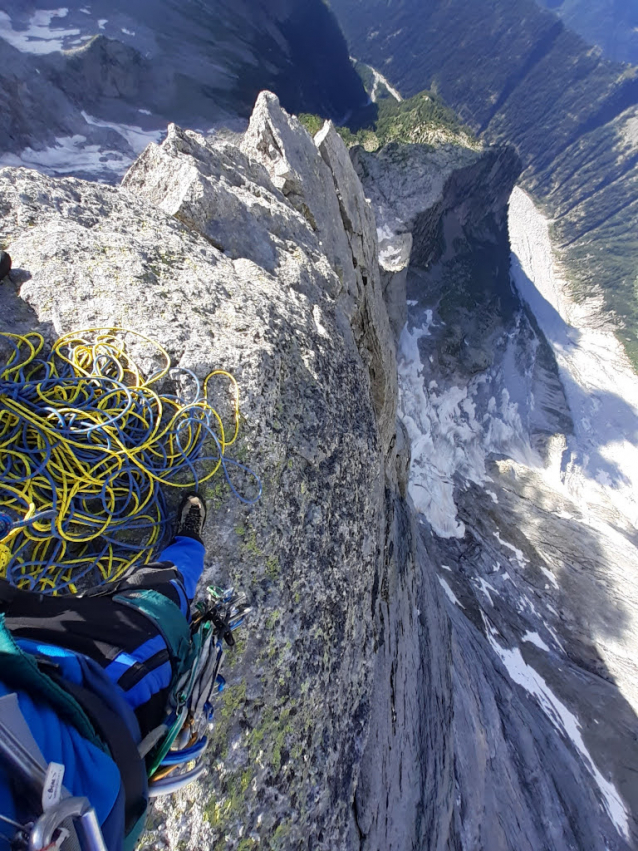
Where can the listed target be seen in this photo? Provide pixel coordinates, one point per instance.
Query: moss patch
(423, 119)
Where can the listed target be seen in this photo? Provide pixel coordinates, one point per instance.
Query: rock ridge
(372, 703)
(261, 259)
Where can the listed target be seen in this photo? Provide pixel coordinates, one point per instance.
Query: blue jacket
(89, 771)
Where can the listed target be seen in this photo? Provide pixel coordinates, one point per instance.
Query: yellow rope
(86, 441)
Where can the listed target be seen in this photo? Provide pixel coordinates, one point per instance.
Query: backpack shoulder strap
(81, 707)
(123, 750)
(167, 618)
(20, 671)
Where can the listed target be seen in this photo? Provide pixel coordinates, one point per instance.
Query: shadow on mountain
(560, 333)
(622, 424)
(364, 118)
(547, 634)
(479, 336)
(601, 417)
(16, 315)
(540, 591)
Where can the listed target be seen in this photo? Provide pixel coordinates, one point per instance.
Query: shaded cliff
(611, 24)
(105, 79)
(539, 580)
(515, 73)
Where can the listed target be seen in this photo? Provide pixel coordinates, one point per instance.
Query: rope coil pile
(86, 444)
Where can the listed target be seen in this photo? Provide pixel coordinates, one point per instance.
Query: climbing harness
(181, 740)
(86, 442)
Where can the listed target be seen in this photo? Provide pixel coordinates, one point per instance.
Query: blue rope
(100, 414)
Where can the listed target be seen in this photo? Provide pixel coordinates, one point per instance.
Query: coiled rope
(86, 444)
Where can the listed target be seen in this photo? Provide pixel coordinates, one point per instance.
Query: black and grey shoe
(191, 517)
(5, 264)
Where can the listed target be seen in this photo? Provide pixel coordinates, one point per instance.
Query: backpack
(183, 710)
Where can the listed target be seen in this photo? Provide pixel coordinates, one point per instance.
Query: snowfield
(41, 35)
(462, 428)
(600, 464)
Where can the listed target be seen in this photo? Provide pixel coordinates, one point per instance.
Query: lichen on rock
(265, 265)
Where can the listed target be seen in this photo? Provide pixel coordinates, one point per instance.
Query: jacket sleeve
(175, 575)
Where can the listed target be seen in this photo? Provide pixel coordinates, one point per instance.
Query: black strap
(7, 595)
(93, 626)
(122, 747)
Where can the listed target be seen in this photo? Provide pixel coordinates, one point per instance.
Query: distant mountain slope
(134, 65)
(612, 24)
(515, 73)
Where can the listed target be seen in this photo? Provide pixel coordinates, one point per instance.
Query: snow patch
(520, 558)
(601, 462)
(566, 722)
(534, 638)
(446, 437)
(69, 154)
(449, 593)
(554, 635)
(485, 587)
(394, 247)
(39, 37)
(550, 576)
(137, 138)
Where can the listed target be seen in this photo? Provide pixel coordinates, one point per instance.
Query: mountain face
(260, 258)
(611, 24)
(512, 414)
(84, 89)
(459, 676)
(516, 74)
(444, 640)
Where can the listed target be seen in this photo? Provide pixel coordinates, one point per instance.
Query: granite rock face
(280, 305)
(431, 205)
(405, 682)
(540, 588)
(225, 193)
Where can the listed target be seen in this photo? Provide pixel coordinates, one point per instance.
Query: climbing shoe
(5, 264)
(190, 517)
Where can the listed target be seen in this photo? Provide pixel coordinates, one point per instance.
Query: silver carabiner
(80, 811)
